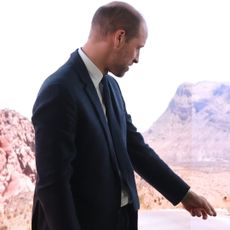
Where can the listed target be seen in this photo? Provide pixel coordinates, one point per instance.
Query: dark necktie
(124, 163)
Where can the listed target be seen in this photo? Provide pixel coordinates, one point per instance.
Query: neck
(95, 54)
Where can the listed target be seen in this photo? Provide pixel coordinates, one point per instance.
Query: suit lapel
(89, 88)
(91, 92)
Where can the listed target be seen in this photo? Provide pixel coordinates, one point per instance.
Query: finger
(192, 212)
(213, 211)
(209, 209)
(204, 214)
(196, 212)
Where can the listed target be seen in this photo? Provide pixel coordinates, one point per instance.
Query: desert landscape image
(192, 136)
(183, 118)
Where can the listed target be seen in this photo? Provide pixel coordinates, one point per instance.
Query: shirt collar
(94, 73)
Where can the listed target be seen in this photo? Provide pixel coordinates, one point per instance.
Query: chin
(121, 73)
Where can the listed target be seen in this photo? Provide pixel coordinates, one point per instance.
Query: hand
(198, 205)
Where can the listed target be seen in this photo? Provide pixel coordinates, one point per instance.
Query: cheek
(123, 57)
(129, 55)
(132, 53)
(126, 56)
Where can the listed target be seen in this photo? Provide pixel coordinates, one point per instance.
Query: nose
(136, 59)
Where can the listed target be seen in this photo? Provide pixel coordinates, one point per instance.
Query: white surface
(180, 220)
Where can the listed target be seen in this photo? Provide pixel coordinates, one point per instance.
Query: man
(86, 145)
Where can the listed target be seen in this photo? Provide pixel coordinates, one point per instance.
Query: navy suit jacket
(78, 183)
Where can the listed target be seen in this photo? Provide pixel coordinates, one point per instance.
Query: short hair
(117, 15)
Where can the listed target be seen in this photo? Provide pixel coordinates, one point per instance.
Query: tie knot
(104, 80)
(103, 86)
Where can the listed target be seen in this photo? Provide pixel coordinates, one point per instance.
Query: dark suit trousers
(127, 218)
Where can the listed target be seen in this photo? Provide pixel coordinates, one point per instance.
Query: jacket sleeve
(54, 118)
(154, 170)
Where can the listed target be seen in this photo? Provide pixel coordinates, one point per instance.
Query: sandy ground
(181, 220)
(209, 181)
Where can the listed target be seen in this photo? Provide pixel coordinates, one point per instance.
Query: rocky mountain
(193, 137)
(195, 128)
(17, 170)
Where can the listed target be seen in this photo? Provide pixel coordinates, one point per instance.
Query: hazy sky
(189, 41)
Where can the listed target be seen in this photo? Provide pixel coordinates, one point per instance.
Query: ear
(119, 38)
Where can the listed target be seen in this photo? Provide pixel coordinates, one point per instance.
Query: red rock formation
(17, 167)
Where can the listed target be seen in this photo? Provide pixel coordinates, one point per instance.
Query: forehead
(143, 32)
